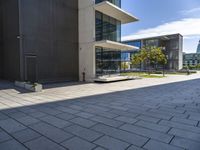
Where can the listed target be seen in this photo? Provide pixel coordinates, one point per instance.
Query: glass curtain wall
(107, 28)
(108, 61)
(115, 2)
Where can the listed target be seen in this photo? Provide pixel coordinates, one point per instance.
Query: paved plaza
(146, 114)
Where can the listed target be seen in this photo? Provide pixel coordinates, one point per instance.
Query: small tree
(124, 65)
(152, 56)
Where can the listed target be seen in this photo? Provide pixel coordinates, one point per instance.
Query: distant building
(198, 47)
(172, 45)
(191, 59)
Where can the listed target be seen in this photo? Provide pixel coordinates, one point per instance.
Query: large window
(108, 61)
(134, 43)
(107, 28)
(116, 2)
(152, 42)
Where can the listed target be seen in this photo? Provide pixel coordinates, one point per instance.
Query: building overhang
(114, 45)
(112, 10)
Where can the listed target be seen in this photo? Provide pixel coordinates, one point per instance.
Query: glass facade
(107, 28)
(198, 47)
(107, 61)
(191, 59)
(115, 2)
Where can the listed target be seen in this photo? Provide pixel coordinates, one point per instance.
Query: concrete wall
(86, 40)
(10, 31)
(50, 34)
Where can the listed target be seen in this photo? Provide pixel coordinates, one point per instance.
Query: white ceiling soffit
(115, 12)
(114, 45)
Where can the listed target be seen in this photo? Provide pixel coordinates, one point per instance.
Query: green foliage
(192, 67)
(151, 56)
(124, 65)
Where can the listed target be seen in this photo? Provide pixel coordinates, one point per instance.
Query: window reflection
(107, 61)
(115, 2)
(107, 28)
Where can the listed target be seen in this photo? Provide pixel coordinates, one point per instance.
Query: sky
(162, 17)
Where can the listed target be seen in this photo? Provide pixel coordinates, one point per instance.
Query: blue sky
(160, 17)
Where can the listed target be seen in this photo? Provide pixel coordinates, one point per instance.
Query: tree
(151, 56)
(124, 65)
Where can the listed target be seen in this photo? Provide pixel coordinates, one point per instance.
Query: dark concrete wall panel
(10, 29)
(50, 29)
(1, 42)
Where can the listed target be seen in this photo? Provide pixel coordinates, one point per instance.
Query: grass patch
(142, 74)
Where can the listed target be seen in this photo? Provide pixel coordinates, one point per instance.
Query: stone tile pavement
(147, 114)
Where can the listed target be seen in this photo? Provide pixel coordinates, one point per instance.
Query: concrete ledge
(31, 87)
(106, 79)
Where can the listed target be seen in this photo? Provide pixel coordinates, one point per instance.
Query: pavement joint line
(28, 127)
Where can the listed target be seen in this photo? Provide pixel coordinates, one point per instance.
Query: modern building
(172, 47)
(60, 40)
(191, 59)
(100, 37)
(198, 47)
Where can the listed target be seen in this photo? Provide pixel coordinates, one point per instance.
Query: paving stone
(185, 134)
(68, 110)
(107, 121)
(56, 121)
(171, 110)
(100, 108)
(185, 143)
(180, 126)
(3, 117)
(153, 126)
(51, 132)
(12, 145)
(26, 135)
(108, 115)
(122, 135)
(158, 115)
(10, 111)
(123, 113)
(43, 143)
(185, 121)
(78, 144)
(119, 108)
(50, 111)
(126, 119)
(76, 107)
(147, 133)
(99, 148)
(27, 110)
(85, 115)
(17, 115)
(153, 145)
(83, 122)
(11, 125)
(38, 114)
(27, 120)
(65, 116)
(148, 118)
(195, 117)
(134, 148)
(111, 143)
(84, 133)
(4, 136)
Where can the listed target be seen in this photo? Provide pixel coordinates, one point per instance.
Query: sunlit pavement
(130, 115)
